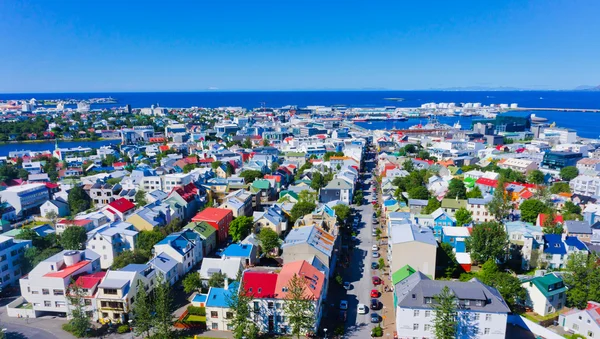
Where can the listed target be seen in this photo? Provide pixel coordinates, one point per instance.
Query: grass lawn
(195, 319)
(536, 317)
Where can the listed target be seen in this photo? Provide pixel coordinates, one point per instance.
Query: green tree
(188, 168)
(192, 282)
(239, 304)
(307, 196)
(358, 197)
(507, 285)
(147, 239)
(301, 209)
(536, 177)
(583, 282)
(500, 204)
(129, 257)
(215, 164)
(463, 216)
(569, 173)
(80, 322)
(217, 279)
(269, 240)
(299, 308)
(342, 212)
(140, 198)
(229, 170)
(410, 148)
(274, 166)
(251, 175)
(78, 200)
(419, 192)
(446, 259)
(408, 165)
(52, 216)
(475, 193)
(488, 240)
(73, 238)
(317, 182)
(240, 227)
(163, 308)
(456, 189)
(560, 187)
(531, 208)
(432, 205)
(142, 312)
(445, 319)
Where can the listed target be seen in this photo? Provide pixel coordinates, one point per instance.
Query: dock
(585, 110)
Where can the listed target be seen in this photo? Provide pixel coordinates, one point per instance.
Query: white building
(563, 135)
(46, 285)
(482, 312)
(11, 252)
(185, 247)
(545, 294)
(151, 183)
(588, 165)
(171, 181)
(26, 198)
(520, 165)
(110, 240)
(584, 322)
(585, 185)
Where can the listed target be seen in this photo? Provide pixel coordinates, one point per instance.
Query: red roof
(526, 194)
(80, 222)
(430, 162)
(321, 136)
(163, 148)
(277, 178)
(88, 281)
(119, 164)
(260, 284)
(207, 160)
(487, 182)
(191, 160)
(51, 185)
(187, 192)
(122, 205)
(68, 270)
(542, 217)
(212, 214)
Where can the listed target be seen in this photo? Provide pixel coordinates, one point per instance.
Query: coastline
(48, 141)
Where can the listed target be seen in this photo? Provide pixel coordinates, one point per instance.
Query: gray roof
(163, 262)
(471, 290)
(417, 202)
(402, 231)
(579, 227)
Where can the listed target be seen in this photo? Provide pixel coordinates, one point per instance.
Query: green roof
(549, 284)
(402, 274)
(454, 203)
(13, 233)
(203, 228)
(262, 184)
(295, 154)
(290, 193)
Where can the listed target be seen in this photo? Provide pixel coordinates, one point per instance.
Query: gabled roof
(260, 284)
(312, 235)
(122, 205)
(89, 281)
(313, 278)
(402, 273)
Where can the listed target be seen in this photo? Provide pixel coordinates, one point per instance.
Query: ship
(394, 99)
(432, 123)
(536, 119)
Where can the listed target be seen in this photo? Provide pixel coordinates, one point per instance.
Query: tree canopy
(73, 238)
(129, 257)
(251, 175)
(78, 200)
(463, 216)
(487, 241)
(432, 205)
(269, 240)
(474, 193)
(531, 208)
(536, 177)
(456, 189)
(301, 209)
(240, 227)
(419, 192)
(569, 173)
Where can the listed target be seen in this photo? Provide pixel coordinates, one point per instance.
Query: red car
(374, 294)
(376, 281)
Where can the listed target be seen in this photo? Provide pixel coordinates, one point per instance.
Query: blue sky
(81, 46)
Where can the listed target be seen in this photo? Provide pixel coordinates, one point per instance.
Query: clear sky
(135, 45)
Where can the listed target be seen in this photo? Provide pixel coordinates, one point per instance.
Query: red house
(119, 209)
(219, 218)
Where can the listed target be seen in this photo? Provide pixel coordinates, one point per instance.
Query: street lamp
(325, 330)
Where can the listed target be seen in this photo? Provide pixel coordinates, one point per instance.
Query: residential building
(308, 242)
(184, 246)
(26, 199)
(558, 248)
(110, 240)
(59, 207)
(119, 209)
(11, 253)
(117, 291)
(405, 240)
(522, 166)
(526, 241)
(337, 189)
(230, 267)
(545, 294)
(588, 165)
(218, 313)
(482, 313)
(219, 218)
(247, 252)
(456, 237)
(239, 202)
(63, 224)
(45, 287)
(580, 229)
(171, 181)
(103, 194)
(583, 322)
(272, 217)
(450, 206)
(478, 209)
(207, 233)
(167, 266)
(153, 215)
(585, 185)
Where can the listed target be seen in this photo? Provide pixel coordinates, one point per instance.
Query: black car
(374, 304)
(374, 318)
(374, 265)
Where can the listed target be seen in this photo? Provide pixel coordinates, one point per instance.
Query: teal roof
(549, 284)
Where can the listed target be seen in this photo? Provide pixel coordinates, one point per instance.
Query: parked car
(374, 294)
(375, 254)
(362, 309)
(344, 305)
(374, 304)
(347, 285)
(374, 317)
(376, 281)
(375, 248)
(374, 265)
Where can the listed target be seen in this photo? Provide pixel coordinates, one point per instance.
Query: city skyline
(272, 46)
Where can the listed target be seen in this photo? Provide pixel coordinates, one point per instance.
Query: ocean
(585, 123)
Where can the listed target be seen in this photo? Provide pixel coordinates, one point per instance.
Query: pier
(587, 110)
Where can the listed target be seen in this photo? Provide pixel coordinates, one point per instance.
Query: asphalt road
(359, 272)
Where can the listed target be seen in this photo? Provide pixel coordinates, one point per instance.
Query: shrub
(196, 310)
(377, 331)
(122, 329)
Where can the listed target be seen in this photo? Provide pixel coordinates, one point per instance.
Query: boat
(538, 119)
(394, 99)
(359, 119)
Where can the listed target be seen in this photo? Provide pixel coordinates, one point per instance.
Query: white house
(184, 246)
(584, 322)
(11, 252)
(110, 240)
(59, 207)
(26, 198)
(545, 294)
(585, 185)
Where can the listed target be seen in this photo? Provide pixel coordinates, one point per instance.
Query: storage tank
(71, 258)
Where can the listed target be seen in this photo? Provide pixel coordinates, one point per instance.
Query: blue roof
(199, 298)
(134, 268)
(389, 202)
(554, 244)
(238, 250)
(177, 241)
(575, 242)
(218, 297)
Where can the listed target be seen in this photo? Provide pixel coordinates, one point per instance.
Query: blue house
(456, 237)
(436, 220)
(248, 253)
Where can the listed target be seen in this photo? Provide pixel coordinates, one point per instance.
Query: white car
(375, 248)
(343, 305)
(362, 309)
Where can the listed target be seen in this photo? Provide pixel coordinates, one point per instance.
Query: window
(59, 304)
(215, 326)
(256, 306)
(426, 327)
(110, 291)
(551, 298)
(228, 315)
(229, 327)
(549, 310)
(486, 330)
(35, 292)
(415, 327)
(575, 326)
(427, 314)
(47, 303)
(87, 302)
(45, 291)
(590, 334)
(214, 314)
(278, 305)
(415, 313)
(488, 317)
(58, 292)
(270, 305)
(428, 300)
(476, 316)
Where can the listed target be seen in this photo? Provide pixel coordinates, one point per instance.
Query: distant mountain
(587, 88)
(480, 88)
